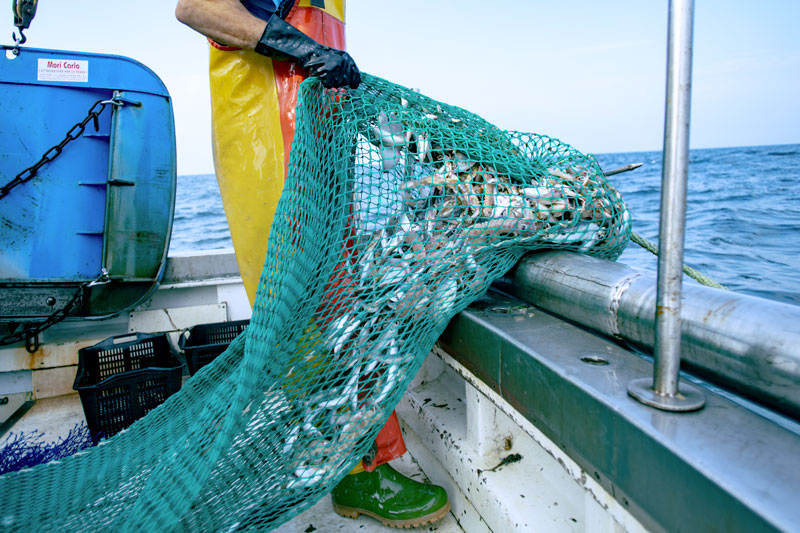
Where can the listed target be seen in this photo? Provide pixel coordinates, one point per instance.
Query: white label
(63, 70)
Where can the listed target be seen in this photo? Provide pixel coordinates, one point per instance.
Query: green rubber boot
(392, 498)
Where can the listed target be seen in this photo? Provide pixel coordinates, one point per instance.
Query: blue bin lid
(107, 200)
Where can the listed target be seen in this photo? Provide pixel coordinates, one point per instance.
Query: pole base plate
(688, 398)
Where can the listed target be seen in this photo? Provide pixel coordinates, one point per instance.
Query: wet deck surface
(55, 417)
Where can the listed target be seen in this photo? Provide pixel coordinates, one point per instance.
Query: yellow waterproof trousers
(253, 101)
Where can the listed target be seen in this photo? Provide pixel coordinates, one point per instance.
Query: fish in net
(397, 212)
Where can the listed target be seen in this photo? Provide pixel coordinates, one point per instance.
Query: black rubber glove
(334, 67)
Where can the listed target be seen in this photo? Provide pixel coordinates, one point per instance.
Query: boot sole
(353, 512)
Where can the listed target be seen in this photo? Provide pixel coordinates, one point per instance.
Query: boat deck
(506, 379)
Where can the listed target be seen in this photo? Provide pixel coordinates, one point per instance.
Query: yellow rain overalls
(253, 100)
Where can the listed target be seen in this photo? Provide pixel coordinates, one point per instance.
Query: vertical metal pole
(675, 170)
(663, 391)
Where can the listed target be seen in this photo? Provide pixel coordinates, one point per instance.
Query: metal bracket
(32, 340)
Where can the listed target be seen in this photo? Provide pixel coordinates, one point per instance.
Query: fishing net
(398, 211)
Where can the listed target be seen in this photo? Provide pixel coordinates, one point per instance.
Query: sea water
(742, 215)
(742, 218)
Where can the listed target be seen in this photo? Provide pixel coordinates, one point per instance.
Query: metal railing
(748, 344)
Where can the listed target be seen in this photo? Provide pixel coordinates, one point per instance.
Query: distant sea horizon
(742, 226)
(597, 154)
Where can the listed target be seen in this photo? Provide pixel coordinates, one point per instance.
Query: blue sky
(590, 73)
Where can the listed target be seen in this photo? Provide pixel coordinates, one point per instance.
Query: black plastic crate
(123, 378)
(204, 342)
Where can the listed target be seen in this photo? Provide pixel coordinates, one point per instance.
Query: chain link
(74, 133)
(30, 332)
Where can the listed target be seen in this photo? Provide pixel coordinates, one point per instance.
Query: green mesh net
(398, 211)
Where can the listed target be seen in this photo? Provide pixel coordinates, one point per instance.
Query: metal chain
(75, 132)
(30, 333)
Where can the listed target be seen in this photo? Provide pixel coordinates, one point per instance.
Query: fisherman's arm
(225, 21)
(228, 22)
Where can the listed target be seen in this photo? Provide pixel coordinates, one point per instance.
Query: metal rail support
(663, 391)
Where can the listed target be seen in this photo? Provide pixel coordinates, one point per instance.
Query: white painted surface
(176, 318)
(235, 297)
(455, 426)
(53, 382)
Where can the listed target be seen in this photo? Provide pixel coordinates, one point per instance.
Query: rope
(689, 271)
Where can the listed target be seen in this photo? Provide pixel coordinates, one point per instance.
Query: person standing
(260, 53)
